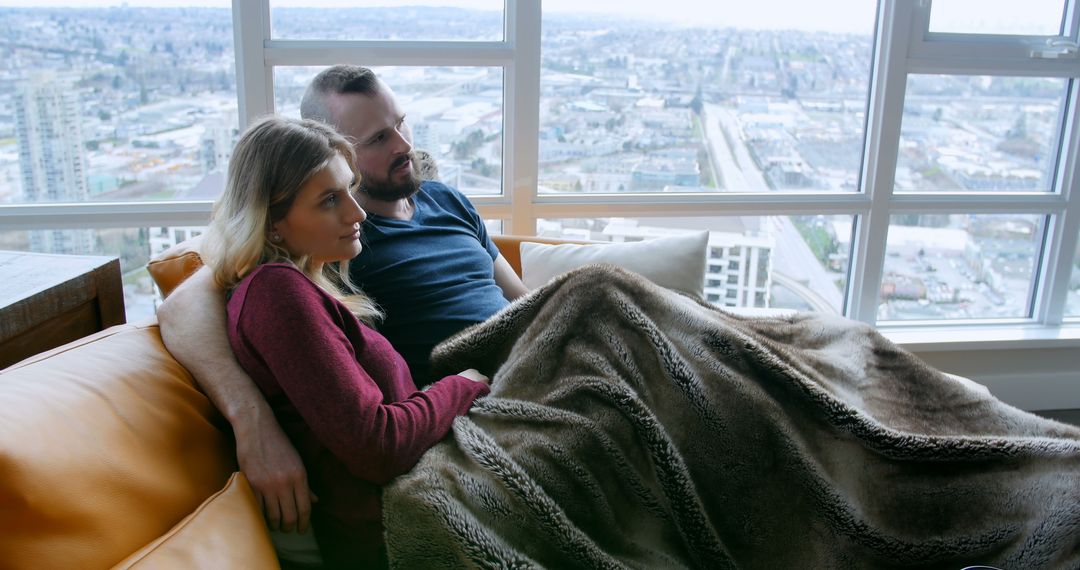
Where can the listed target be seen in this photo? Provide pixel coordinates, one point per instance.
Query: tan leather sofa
(110, 456)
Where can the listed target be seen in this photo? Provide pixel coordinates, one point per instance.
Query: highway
(793, 261)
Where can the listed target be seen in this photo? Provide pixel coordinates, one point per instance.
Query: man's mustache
(401, 160)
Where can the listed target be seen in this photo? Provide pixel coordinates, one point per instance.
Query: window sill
(955, 338)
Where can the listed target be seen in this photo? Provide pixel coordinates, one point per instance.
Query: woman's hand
(474, 375)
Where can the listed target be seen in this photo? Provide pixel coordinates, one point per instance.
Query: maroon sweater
(344, 397)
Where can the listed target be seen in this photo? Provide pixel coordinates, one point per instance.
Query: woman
(280, 239)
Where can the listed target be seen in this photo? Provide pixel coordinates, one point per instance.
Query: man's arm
(193, 327)
(508, 280)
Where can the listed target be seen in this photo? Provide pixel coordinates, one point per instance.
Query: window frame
(902, 46)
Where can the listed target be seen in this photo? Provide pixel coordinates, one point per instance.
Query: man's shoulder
(446, 196)
(436, 189)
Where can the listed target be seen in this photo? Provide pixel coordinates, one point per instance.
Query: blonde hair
(272, 161)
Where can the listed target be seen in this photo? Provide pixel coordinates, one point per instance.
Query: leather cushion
(171, 267)
(105, 444)
(226, 531)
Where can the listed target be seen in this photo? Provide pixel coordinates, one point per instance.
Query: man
(427, 294)
(428, 262)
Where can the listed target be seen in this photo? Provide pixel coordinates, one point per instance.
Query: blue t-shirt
(432, 275)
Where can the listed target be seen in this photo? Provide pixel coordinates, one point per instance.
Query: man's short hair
(339, 80)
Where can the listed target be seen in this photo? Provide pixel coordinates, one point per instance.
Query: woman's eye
(330, 201)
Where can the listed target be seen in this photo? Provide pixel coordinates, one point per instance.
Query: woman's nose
(356, 215)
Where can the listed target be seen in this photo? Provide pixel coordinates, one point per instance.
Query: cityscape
(130, 103)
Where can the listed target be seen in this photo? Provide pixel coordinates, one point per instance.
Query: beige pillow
(676, 262)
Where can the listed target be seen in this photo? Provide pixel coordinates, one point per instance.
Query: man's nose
(402, 144)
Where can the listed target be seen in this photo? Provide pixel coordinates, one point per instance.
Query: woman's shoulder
(276, 274)
(271, 281)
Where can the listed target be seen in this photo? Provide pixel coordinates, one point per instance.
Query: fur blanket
(629, 426)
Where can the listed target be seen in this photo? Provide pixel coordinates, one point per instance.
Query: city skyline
(710, 110)
(837, 16)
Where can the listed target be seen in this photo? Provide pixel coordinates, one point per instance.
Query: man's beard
(387, 190)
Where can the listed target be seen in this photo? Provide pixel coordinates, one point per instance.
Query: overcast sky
(819, 15)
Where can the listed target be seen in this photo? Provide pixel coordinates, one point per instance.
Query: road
(739, 172)
(792, 258)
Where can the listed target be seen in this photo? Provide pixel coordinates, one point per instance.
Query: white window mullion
(738, 203)
(254, 79)
(942, 63)
(673, 210)
(104, 215)
(889, 86)
(977, 203)
(1062, 239)
(521, 136)
(1072, 20)
(426, 53)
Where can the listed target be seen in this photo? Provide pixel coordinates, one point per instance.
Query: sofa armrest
(510, 246)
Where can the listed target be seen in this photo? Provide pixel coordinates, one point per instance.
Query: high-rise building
(218, 140)
(162, 238)
(52, 158)
(738, 270)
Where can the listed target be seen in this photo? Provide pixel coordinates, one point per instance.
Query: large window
(729, 101)
(960, 266)
(1035, 17)
(115, 104)
(908, 164)
(979, 134)
(112, 108)
(460, 20)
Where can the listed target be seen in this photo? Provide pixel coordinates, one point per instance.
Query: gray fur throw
(632, 427)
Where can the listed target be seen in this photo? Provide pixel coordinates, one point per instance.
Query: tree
(1019, 128)
(696, 104)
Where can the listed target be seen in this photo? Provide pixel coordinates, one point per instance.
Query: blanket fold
(632, 427)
